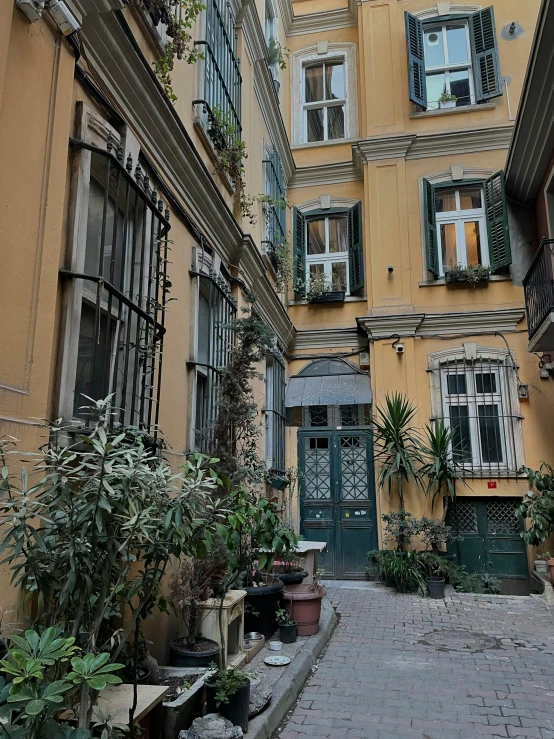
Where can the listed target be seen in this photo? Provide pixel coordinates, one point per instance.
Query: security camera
(390, 269)
(399, 348)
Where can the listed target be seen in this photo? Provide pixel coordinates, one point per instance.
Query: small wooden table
(118, 700)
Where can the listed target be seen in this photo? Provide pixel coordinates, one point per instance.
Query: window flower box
(471, 275)
(335, 296)
(447, 104)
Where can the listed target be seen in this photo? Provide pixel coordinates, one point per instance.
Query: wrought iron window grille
(275, 208)
(124, 289)
(275, 412)
(479, 403)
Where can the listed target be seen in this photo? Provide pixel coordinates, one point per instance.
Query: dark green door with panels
(338, 498)
(490, 536)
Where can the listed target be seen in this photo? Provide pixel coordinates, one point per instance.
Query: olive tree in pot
(285, 542)
(228, 693)
(305, 605)
(190, 585)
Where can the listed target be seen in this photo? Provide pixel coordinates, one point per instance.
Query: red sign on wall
(491, 485)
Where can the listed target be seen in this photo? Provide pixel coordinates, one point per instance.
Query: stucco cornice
(470, 323)
(328, 20)
(422, 146)
(533, 140)
(326, 174)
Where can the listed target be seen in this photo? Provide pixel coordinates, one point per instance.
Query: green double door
(490, 536)
(337, 498)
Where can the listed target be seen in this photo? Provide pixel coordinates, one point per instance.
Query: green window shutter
(431, 241)
(355, 248)
(416, 60)
(497, 222)
(484, 48)
(298, 247)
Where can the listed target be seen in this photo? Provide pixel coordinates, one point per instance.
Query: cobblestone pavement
(379, 679)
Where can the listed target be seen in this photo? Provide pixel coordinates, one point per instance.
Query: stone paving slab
(381, 678)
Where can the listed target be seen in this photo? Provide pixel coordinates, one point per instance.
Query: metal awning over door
(352, 389)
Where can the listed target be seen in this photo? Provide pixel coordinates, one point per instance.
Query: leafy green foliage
(397, 445)
(179, 17)
(472, 274)
(433, 533)
(538, 507)
(227, 683)
(282, 616)
(439, 468)
(491, 584)
(276, 54)
(400, 527)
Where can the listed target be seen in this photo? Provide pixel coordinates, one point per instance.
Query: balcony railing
(539, 287)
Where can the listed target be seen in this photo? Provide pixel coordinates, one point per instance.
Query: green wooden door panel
(337, 502)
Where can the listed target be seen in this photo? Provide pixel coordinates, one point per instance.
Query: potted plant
(447, 100)
(228, 693)
(470, 275)
(275, 56)
(407, 574)
(189, 586)
(287, 627)
(374, 569)
(541, 562)
(387, 561)
(305, 606)
(287, 567)
(321, 289)
(434, 533)
(249, 536)
(434, 570)
(399, 528)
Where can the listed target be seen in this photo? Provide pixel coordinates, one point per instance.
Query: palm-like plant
(398, 445)
(440, 469)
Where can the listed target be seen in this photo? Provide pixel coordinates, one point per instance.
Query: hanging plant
(179, 17)
(275, 55)
(281, 257)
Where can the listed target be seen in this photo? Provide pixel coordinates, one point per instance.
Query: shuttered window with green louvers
(452, 60)
(466, 223)
(318, 236)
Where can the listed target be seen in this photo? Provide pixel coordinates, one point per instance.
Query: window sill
(442, 281)
(313, 144)
(347, 299)
(453, 111)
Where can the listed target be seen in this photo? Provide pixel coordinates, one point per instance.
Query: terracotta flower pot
(305, 607)
(550, 563)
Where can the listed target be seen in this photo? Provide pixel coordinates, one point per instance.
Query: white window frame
(325, 104)
(459, 217)
(443, 362)
(323, 52)
(327, 258)
(447, 67)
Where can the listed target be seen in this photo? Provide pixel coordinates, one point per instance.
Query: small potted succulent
(287, 627)
(305, 604)
(228, 693)
(541, 562)
(447, 100)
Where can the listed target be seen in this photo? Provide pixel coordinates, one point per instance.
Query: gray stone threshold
(290, 682)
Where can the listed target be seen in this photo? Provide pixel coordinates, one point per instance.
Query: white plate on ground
(277, 661)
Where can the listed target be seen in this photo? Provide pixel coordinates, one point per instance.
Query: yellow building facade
(102, 173)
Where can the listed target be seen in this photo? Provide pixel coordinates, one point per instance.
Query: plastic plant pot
(435, 587)
(305, 607)
(288, 633)
(179, 656)
(236, 711)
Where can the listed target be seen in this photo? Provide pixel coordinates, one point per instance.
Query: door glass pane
(473, 242)
(338, 235)
(353, 467)
(470, 198)
(94, 384)
(349, 415)
(434, 47)
(445, 201)
(316, 269)
(315, 124)
(489, 434)
(436, 85)
(459, 86)
(456, 39)
(448, 242)
(316, 237)
(456, 384)
(485, 382)
(314, 83)
(317, 469)
(338, 271)
(334, 81)
(335, 122)
(461, 440)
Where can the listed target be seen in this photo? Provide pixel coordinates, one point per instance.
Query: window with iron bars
(222, 78)
(275, 207)
(120, 290)
(216, 310)
(275, 412)
(479, 403)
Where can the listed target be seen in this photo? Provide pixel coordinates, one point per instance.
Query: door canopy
(328, 382)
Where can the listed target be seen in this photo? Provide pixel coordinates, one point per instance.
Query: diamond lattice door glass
(317, 468)
(353, 468)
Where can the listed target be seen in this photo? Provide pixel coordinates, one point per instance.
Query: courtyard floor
(387, 674)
